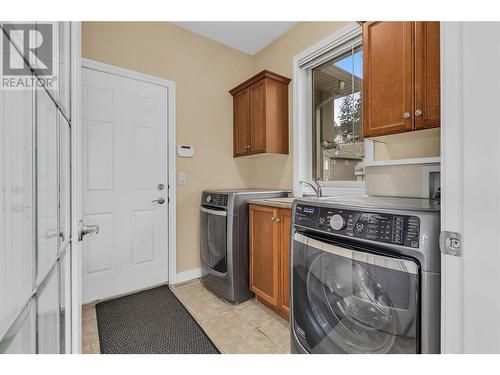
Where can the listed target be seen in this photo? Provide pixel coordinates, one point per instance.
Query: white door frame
(78, 177)
(470, 181)
(451, 184)
(76, 188)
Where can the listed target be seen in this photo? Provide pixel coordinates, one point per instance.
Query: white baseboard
(187, 275)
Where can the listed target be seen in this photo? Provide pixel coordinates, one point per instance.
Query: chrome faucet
(316, 187)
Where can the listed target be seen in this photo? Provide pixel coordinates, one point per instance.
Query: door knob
(406, 115)
(160, 200)
(86, 229)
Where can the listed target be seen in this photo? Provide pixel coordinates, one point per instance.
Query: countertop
(285, 203)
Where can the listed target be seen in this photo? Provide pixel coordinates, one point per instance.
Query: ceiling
(247, 36)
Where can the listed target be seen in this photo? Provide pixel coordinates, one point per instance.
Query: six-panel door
(124, 134)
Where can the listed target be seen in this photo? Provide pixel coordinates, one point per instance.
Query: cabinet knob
(247, 147)
(406, 115)
(418, 113)
(277, 220)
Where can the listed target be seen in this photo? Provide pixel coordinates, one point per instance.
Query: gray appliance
(224, 240)
(365, 275)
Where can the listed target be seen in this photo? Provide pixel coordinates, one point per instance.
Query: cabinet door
(241, 131)
(285, 229)
(427, 75)
(387, 78)
(264, 253)
(258, 117)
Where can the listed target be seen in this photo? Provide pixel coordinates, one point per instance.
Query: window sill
(338, 188)
(383, 163)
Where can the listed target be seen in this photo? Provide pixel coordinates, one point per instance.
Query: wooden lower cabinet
(270, 256)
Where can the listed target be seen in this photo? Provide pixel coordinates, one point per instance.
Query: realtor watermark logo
(29, 57)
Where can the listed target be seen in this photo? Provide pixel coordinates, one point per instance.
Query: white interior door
(125, 163)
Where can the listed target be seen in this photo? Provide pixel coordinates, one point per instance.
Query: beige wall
(397, 181)
(204, 71)
(419, 144)
(404, 181)
(274, 170)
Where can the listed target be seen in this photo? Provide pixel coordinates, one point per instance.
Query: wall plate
(185, 151)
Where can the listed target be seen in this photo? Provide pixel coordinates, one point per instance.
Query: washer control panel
(214, 199)
(403, 230)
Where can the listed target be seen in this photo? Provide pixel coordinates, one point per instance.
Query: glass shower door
(35, 225)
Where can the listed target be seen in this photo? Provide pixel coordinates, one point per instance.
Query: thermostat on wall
(185, 151)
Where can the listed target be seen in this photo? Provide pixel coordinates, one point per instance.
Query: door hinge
(451, 243)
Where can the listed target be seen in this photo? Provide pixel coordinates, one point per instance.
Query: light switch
(182, 178)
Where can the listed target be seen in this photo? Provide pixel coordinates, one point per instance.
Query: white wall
(471, 186)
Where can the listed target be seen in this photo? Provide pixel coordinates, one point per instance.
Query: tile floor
(90, 337)
(249, 327)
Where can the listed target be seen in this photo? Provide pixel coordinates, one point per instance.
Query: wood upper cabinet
(270, 256)
(387, 77)
(427, 75)
(400, 77)
(260, 115)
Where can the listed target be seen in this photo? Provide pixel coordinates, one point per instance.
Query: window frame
(303, 64)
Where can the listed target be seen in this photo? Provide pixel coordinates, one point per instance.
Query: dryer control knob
(209, 198)
(337, 222)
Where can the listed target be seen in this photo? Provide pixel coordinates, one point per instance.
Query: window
(337, 126)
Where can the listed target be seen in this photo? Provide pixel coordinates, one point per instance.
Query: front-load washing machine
(224, 240)
(365, 275)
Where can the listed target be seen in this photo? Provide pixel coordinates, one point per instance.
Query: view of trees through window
(337, 118)
(349, 124)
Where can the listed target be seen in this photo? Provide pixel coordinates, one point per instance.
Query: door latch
(451, 243)
(86, 229)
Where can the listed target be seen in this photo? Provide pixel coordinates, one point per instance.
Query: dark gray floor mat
(150, 322)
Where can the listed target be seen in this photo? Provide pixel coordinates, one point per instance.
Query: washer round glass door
(213, 246)
(349, 301)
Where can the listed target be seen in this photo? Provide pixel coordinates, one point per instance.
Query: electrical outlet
(182, 178)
